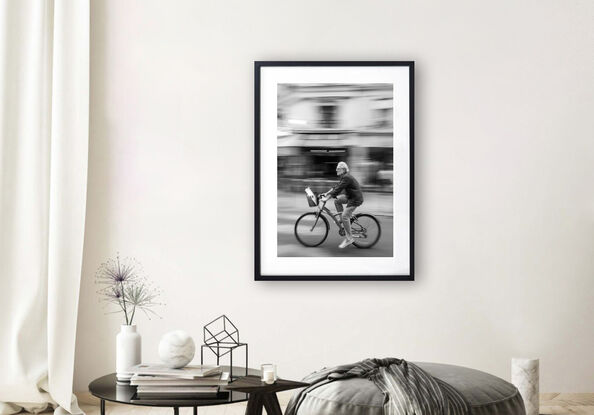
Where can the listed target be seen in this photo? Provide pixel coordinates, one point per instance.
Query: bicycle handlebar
(325, 194)
(322, 198)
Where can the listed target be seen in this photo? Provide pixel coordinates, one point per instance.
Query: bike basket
(312, 199)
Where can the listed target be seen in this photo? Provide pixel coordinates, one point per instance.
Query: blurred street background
(318, 126)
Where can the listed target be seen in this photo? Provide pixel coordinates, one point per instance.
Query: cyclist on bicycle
(352, 197)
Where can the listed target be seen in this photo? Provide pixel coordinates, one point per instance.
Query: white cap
(343, 165)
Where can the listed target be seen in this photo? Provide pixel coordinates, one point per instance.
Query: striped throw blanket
(408, 389)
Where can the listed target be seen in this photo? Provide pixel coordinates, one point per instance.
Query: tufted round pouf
(485, 394)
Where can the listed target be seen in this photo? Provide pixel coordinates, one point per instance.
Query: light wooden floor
(567, 403)
(550, 403)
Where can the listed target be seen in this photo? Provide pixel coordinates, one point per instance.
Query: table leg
(271, 404)
(102, 407)
(195, 410)
(255, 404)
(175, 410)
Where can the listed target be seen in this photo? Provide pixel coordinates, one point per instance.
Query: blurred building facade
(322, 124)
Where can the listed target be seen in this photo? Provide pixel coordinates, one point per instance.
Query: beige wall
(504, 173)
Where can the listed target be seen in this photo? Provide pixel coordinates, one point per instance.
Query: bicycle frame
(328, 212)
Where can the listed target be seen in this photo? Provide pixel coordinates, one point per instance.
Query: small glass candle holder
(268, 373)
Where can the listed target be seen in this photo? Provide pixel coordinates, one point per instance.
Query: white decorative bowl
(176, 349)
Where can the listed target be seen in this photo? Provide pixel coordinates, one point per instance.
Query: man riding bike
(352, 197)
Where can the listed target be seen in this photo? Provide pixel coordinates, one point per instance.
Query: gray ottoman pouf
(485, 394)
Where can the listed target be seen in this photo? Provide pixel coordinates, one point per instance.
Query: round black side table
(247, 388)
(106, 388)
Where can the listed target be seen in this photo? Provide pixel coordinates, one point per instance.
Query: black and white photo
(334, 170)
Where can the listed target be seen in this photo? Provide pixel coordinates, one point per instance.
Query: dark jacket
(351, 187)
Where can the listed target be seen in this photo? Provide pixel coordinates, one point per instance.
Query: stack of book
(159, 383)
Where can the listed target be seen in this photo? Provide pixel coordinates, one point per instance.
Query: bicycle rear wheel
(311, 232)
(366, 230)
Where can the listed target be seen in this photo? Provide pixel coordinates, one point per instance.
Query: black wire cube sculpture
(221, 337)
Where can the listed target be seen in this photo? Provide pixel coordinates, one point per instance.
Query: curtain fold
(44, 90)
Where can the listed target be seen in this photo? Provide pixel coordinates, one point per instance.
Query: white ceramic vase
(128, 351)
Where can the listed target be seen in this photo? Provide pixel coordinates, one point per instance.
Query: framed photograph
(334, 170)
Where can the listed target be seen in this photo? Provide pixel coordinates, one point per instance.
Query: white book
(144, 390)
(159, 398)
(186, 372)
(154, 380)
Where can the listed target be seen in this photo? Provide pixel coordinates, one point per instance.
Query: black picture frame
(258, 66)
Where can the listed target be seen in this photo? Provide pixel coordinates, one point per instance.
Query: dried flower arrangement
(124, 284)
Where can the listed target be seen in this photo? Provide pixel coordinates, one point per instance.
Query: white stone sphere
(176, 349)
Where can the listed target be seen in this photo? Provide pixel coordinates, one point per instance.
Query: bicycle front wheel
(366, 230)
(311, 231)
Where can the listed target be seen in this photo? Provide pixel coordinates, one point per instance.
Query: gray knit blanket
(408, 389)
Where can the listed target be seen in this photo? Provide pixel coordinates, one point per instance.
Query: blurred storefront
(320, 125)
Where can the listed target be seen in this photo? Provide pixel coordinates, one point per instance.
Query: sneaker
(346, 243)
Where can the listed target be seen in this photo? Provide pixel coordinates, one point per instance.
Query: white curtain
(44, 93)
